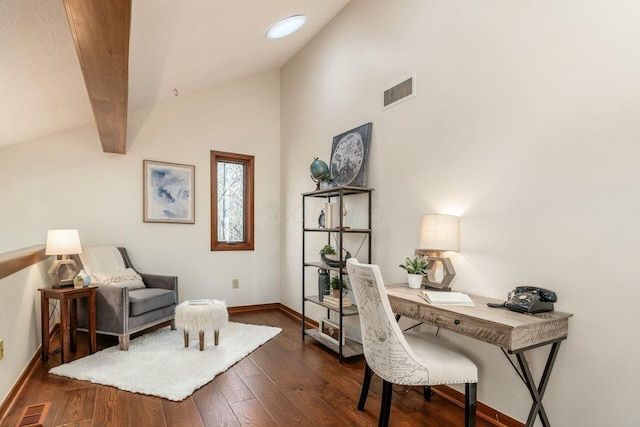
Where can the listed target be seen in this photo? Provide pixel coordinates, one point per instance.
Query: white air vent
(399, 93)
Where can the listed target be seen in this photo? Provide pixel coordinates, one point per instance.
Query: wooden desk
(68, 318)
(514, 332)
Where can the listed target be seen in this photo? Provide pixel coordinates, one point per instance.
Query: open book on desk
(446, 298)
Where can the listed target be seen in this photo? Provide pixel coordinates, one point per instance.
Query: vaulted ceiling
(176, 47)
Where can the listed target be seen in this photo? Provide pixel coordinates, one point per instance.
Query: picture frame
(169, 192)
(330, 331)
(349, 154)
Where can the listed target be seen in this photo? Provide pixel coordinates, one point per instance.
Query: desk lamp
(438, 233)
(63, 243)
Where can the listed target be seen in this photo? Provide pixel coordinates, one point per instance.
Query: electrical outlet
(235, 283)
(1, 349)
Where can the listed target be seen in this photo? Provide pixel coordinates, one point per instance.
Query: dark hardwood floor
(285, 382)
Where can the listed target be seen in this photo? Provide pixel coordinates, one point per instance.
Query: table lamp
(63, 243)
(438, 233)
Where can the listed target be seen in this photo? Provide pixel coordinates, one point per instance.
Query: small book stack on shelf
(335, 302)
(446, 298)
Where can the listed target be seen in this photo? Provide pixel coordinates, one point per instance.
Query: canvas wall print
(169, 192)
(349, 156)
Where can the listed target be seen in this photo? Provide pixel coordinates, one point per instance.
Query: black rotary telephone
(529, 299)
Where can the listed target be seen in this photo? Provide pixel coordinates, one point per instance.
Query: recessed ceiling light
(287, 26)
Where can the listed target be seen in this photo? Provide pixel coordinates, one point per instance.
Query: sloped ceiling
(176, 47)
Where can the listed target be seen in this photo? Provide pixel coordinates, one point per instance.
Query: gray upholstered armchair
(127, 301)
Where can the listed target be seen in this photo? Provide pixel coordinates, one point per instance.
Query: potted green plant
(416, 269)
(327, 250)
(336, 284)
(329, 256)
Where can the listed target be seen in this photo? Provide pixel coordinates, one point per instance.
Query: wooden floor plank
(297, 381)
(246, 368)
(322, 412)
(252, 413)
(290, 375)
(277, 403)
(181, 414)
(77, 406)
(213, 407)
(107, 406)
(233, 388)
(86, 423)
(349, 406)
(145, 410)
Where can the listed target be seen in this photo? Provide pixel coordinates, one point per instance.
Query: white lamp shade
(439, 233)
(63, 242)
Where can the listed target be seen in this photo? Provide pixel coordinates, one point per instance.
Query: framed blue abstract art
(169, 192)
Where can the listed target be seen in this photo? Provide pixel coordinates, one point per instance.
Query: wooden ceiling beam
(100, 31)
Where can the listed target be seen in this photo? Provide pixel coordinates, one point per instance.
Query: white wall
(66, 181)
(20, 321)
(525, 124)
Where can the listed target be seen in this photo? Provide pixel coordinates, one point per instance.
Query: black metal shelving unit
(349, 348)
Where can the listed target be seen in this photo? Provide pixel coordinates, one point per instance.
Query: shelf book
(446, 298)
(335, 302)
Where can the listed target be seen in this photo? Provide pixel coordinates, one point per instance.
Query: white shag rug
(158, 363)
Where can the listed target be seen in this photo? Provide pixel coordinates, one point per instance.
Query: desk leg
(92, 322)
(44, 323)
(64, 328)
(536, 393)
(73, 324)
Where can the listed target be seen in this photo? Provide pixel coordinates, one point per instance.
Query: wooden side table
(68, 318)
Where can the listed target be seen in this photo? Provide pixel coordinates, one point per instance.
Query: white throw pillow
(127, 278)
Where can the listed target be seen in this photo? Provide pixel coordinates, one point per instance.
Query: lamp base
(62, 272)
(62, 285)
(448, 272)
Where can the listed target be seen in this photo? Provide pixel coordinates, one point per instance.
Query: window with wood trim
(232, 179)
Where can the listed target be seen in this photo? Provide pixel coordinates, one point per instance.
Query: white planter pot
(415, 280)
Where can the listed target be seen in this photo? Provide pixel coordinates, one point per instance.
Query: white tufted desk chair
(410, 358)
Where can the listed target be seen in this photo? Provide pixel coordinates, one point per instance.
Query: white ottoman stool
(201, 316)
